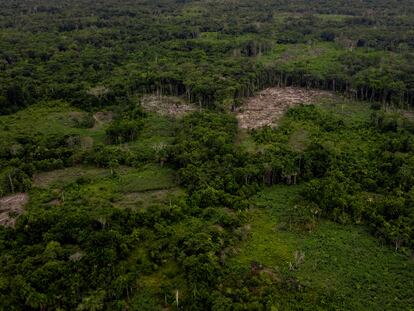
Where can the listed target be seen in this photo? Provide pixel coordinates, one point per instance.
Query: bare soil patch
(10, 207)
(102, 118)
(269, 105)
(98, 91)
(166, 105)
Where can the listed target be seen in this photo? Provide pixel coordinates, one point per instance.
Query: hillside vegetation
(207, 155)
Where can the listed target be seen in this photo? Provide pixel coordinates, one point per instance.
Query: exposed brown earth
(166, 105)
(267, 107)
(10, 207)
(102, 117)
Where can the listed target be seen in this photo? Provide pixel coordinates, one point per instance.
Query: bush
(121, 131)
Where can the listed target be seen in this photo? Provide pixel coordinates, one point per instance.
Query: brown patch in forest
(102, 117)
(409, 115)
(10, 207)
(267, 107)
(166, 105)
(98, 91)
(54, 202)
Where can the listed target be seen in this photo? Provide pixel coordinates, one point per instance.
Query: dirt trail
(267, 107)
(10, 207)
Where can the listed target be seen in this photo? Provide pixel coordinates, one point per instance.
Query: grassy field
(339, 259)
(158, 132)
(67, 175)
(45, 120)
(149, 178)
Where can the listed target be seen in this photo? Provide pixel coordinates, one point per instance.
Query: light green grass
(152, 177)
(45, 120)
(157, 129)
(156, 136)
(345, 260)
(319, 57)
(267, 244)
(67, 175)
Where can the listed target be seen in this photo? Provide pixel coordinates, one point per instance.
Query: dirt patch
(269, 105)
(98, 91)
(11, 207)
(102, 117)
(166, 105)
(76, 256)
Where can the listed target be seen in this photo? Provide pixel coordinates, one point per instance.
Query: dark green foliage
(127, 126)
(124, 130)
(209, 164)
(14, 179)
(380, 193)
(15, 98)
(367, 180)
(164, 205)
(210, 52)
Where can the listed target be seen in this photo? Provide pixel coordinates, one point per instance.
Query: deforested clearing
(10, 207)
(102, 117)
(269, 105)
(166, 105)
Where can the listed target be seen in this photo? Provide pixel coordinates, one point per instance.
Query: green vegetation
(339, 261)
(96, 56)
(136, 206)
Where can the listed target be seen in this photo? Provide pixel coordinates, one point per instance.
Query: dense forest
(128, 183)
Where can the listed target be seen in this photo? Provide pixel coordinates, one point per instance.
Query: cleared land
(67, 175)
(135, 188)
(10, 207)
(343, 260)
(166, 105)
(269, 105)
